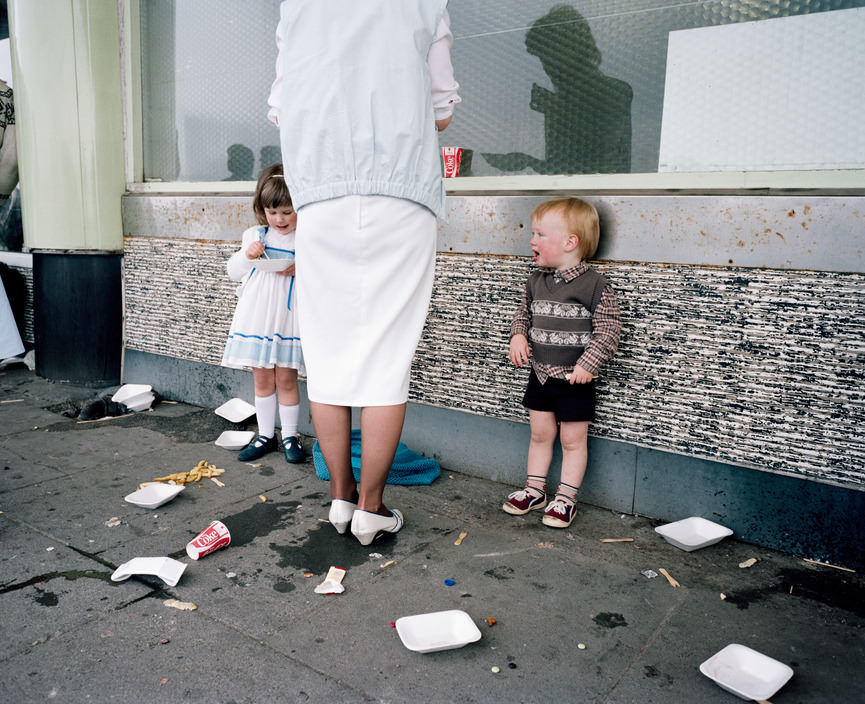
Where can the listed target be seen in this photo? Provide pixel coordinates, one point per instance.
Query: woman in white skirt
(358, 116)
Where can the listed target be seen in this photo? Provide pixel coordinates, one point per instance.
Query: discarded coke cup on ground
(212, 538)
(451, 157)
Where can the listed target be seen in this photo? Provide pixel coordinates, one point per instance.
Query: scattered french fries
(202, 470)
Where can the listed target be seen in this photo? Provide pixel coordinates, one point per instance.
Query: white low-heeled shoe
(366, 526)
(341, 513)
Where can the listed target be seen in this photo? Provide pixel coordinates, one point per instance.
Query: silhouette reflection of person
(241, 161)
(587, 117)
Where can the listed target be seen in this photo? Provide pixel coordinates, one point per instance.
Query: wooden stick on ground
(826, 564)
(672, 581)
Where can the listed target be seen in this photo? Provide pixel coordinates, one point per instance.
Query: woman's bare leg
(380, 430)
(333, 430)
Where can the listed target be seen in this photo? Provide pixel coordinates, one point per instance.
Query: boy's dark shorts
(570, 402)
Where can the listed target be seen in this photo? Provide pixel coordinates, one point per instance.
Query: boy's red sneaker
(524, 500)
(560, 513)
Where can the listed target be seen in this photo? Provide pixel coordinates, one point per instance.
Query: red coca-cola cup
(451, 157)
(212, 538)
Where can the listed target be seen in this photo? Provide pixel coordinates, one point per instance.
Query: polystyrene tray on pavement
(236, 410)
(439, 630)
(142, 402)
(154, 495)
(234, 439)
(746, 673)
(127, 392)
(693, 533)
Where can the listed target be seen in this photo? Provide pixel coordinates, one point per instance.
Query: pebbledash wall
(737, 394)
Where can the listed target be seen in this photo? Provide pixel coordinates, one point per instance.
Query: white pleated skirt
(365, 267)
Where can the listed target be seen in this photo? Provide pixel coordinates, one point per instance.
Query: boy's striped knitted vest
(562, 315)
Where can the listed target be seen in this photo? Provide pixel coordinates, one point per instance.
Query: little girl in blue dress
(264, 334)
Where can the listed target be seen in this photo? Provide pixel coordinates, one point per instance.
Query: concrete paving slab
(284, 547)
(247, 571)
(777, 624)
(23, 416)
(17, 471)
(276, 640)
(49, 589)
(555, 591)
(18, 382)
(69, 449)
(76, 507)
(122, 657)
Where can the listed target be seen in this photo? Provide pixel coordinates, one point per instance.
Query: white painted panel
(779, 94)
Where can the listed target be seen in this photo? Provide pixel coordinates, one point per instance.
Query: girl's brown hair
(580, 217)
(271, 191)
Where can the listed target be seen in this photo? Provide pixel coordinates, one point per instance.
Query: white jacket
(359, 85)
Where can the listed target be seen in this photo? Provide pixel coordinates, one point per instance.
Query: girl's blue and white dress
(264, 331)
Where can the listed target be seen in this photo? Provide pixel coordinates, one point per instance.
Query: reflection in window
(587, 115)
(511, 93)
(548, 87)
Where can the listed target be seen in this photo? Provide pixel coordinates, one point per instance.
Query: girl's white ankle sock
(265, 414)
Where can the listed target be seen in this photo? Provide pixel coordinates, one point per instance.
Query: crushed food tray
(167, 569)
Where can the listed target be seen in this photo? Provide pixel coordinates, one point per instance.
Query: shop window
(586, 87)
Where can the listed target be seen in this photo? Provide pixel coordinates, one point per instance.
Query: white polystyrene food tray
(168, 570)
(127, 392)
(235, 439)
(272, 264)
(746, 673)
(140, 402)
(154, 495)
(693, 533)
(440, 630)
(236, 410)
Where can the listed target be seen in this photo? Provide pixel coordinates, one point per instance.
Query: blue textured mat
(408, 466)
